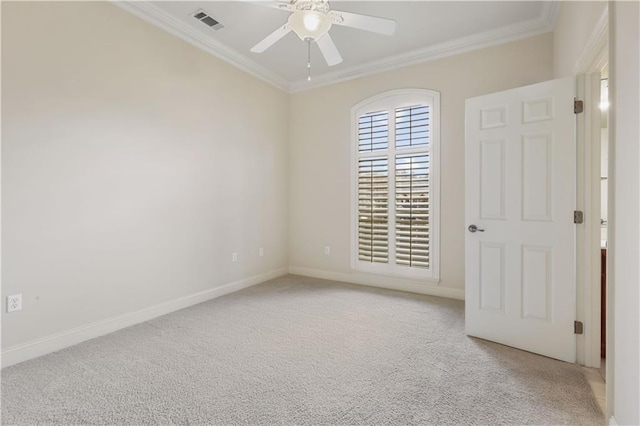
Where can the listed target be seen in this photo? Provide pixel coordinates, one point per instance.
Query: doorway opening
(604, 217)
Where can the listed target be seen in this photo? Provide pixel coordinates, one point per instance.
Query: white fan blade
(271, 39)
(363, 22)
(329, 50)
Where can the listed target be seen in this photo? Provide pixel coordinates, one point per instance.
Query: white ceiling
(425, 30)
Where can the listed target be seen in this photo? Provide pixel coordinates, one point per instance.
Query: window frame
(390, 101)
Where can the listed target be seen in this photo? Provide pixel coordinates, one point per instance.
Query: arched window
(395, 184)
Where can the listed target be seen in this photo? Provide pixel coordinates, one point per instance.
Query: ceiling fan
(311, 21)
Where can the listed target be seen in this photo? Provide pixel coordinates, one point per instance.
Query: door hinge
(578, 216)
(578, 327)
(578, 106)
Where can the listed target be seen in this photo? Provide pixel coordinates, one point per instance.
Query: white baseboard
(613, 421)
(373, 280)
(55, 342)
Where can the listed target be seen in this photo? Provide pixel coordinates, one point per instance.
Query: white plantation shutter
(412, 187)
(412, 210)
(373, 189)
(412, 126)
(394, 186)
(373, 131)
(373, 210)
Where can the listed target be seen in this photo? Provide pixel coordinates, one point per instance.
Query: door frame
(588, 265)
(593, 60)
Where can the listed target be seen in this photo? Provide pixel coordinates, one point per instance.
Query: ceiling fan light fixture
(311, 21)
(309, 24)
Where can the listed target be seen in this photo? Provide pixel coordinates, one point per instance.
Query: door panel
(492, 278)
(492, 179)
(520, 168)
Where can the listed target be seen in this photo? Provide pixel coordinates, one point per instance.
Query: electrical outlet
(327, 250)
(234, 257)
(14, 303)
(261, 252)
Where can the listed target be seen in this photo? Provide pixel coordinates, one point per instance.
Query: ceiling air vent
(203, 17)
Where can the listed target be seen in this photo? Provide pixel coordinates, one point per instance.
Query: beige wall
(574, 25)
(133, 164)
(319, 147)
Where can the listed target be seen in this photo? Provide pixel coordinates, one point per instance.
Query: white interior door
(520, 180)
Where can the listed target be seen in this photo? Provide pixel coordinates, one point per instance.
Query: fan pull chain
(308, 59)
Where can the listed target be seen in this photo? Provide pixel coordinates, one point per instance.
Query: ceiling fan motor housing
(321, 6)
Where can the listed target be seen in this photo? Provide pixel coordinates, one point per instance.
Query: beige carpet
(299, 351)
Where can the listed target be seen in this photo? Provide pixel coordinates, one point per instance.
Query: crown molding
(156, 16)
(550, 10)
(506, 34)
(594, 54)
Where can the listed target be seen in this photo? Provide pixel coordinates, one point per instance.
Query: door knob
(474, 228)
